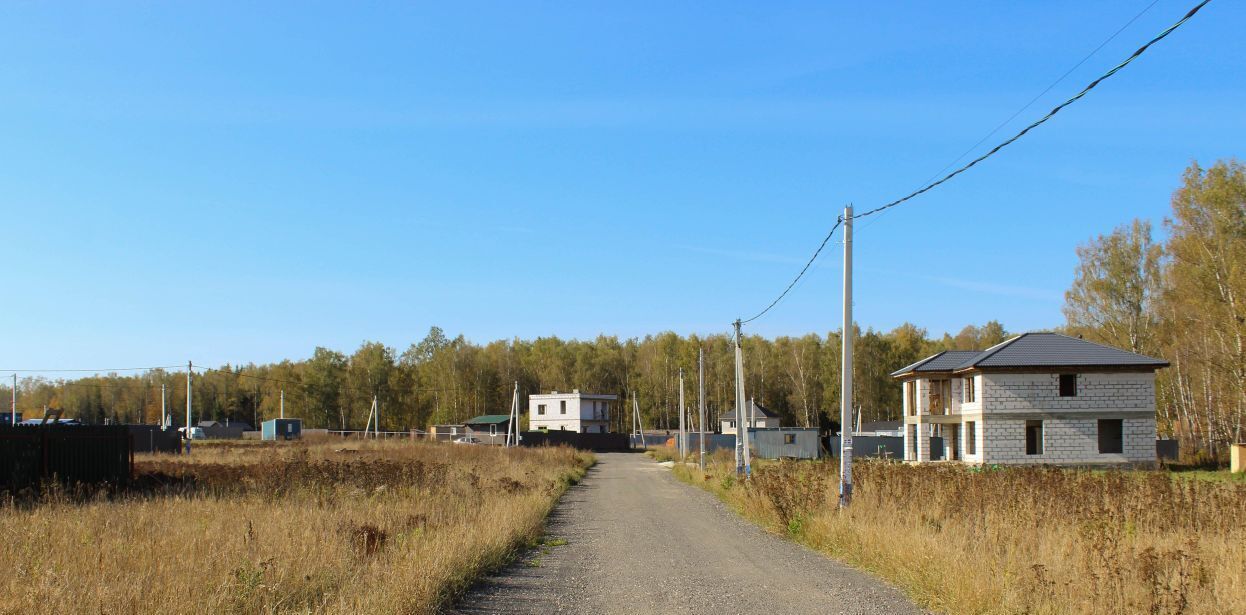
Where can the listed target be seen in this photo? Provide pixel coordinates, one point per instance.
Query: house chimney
(575, 391)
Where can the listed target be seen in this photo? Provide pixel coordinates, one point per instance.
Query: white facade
(574, 411)
(1105, 418)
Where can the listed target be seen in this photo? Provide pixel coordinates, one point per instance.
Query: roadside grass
(1015, 540)
(344, 527)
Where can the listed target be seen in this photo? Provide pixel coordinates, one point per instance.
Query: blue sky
(225, 182)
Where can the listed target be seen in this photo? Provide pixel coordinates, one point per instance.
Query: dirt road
(639, 541)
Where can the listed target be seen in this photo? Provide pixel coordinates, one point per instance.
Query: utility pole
(190, 367)
(513, 418)
(638, 428)
(283, 403)
(376, 408)
(13, 410)
(164, 421)
(701, 403)
(742, 463)
(845, 401)
(683, 429)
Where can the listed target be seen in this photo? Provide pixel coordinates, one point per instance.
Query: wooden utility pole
(845, 401)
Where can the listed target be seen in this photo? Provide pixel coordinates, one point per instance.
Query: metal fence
(68, 453)
(153, 439)
(596, 442)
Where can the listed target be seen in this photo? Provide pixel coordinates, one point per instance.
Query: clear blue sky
(222, 182)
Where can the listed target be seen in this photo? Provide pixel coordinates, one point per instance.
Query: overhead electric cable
(776, 301)
(98, 371)
(931, 185)
(1159, 37)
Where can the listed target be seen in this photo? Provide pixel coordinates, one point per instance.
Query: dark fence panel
(883, 447)
(70, 453)
(1168, 449)
(596, 442)
(152, 439)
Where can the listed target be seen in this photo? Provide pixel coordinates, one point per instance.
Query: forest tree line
(1182, 299)
(448, 380)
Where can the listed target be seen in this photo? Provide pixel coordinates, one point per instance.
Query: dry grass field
(345, 527)
(1035, 540)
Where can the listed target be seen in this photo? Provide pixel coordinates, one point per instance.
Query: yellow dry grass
(1037, 540)
(323, 528)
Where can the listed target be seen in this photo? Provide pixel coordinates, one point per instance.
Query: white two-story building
(574, 411)
(1038, 398)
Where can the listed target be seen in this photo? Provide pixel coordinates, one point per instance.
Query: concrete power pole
(13, 410)
(283, 403)
(638, 428)
(683, 428)
(190, 366)
(701, 403)
(742, 463)
(845, 402)
(164, 420)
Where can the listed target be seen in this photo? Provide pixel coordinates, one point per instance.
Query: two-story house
(1038, 398)
(574, 411)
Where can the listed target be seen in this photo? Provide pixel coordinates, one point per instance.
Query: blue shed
(282, 429)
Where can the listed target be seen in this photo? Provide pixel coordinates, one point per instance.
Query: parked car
(466, 440)
(196, 433)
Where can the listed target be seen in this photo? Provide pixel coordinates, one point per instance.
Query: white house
(1038, 398)
(757, 417)
(574, 411)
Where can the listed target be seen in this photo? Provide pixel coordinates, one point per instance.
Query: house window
(493, 429)
(540, 409)
(970, 394)
(1111, 440)
(940, 396)
(971, 438)
(1033, 437)
(562, 407)
(1068, 385)
(912, 396)
(790, 438)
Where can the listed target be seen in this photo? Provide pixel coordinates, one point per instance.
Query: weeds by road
(1032, 540)
(335, 528)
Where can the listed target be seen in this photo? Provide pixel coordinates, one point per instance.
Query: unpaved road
(639, 541)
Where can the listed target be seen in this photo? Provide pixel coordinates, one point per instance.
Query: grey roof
(1056, 350)
(1038, 350)
(945, 361)
(762, 412)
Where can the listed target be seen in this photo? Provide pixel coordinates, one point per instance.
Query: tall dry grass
(1021, 540)
(356, 528)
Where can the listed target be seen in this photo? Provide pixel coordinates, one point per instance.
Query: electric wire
(1076, 97)
(930, 185)
(97, 371)
(783, 294)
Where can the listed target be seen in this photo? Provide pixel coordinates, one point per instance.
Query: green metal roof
(485, 419)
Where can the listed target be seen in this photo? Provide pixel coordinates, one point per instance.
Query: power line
(931, 185)
(97, 371)
(1159, 37)
(804, 269)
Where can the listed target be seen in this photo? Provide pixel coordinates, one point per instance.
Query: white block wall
(1103, 391)
(1067, 441)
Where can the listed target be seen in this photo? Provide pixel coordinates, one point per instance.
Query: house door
(954, 443)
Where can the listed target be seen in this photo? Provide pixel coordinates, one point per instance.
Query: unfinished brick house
(1038, 398)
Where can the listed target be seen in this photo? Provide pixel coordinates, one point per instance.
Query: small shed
(488, 428)
(282, 429)
(784, 443)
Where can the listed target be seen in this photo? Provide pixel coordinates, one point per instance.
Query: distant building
(488, 428)
(1038, 398)
(757, 417)
(282, 429)
(574, 411)
(446, 433)
(224, 430)
(7, 416)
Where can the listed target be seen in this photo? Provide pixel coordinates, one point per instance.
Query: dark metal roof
(945, 361)
(486, 419)
(1056, 350)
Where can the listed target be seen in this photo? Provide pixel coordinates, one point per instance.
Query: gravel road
(639, 541)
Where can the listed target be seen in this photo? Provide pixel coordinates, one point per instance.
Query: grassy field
(354, 527)
(1033, 540)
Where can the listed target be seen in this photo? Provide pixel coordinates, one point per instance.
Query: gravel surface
(640, 541)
